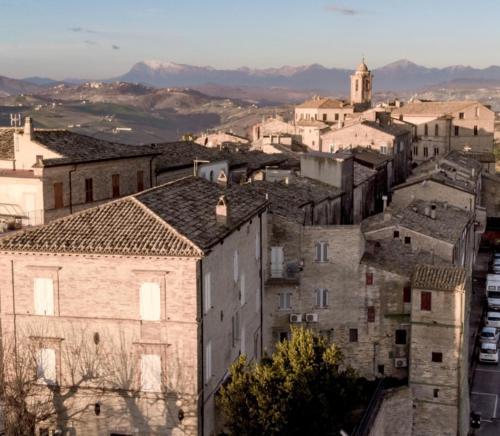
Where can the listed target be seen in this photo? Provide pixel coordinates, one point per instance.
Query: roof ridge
(165, 223)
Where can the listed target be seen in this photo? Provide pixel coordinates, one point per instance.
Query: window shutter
(407, 294)
(235, 266)
(318, 297)
(325, 252)
(151, 372)
(46, 365)
(425, 301)
(44, 296)
(208, 362)
(150, 301)
(318, 252)
(277, 261)
(325, 297)
(242, 289)
(243, 341)
(371, 314)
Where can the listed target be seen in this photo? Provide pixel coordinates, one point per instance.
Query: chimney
(433, 211)
(222, 179)
(28, 128)
(384, 199)
(222, 210)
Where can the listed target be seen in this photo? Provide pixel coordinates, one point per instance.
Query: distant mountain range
(402, 75)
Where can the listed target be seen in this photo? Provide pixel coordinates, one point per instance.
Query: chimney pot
(222, 210)
(28, 127)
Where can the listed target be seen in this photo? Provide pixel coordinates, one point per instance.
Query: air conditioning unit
(295, 318)
(401, 362)
(311, 317)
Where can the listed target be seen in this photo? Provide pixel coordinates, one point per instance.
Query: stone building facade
(445, 126)
(439, 351)
(53, 173)
(139, 306)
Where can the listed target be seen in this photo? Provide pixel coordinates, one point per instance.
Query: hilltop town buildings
(220, 252)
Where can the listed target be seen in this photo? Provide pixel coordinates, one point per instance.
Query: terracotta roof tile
(175, 219)
(438, 277)
(434, 108)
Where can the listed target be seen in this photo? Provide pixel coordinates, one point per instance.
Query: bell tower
(361, 88)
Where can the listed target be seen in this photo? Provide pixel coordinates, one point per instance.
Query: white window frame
(208, 362)
(235, 266)
(322, 298)
(43, 294)
(46, 366)
(321, 251)
(285, 300)
(207, 287)
(150, 301)
(151, 373)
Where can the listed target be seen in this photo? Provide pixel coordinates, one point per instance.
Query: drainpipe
(14, 310)
(151, 173)
(201, 428)
(261, 289)
(71, 190)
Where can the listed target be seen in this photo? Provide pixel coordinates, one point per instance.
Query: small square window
(437, 357)
(436, 393)
(407, 240)
(426, 301)
(401, 337)
(461, 115)
(407, 294)
(396, 234)
(353, 335)
(371, 313)
(369, 278)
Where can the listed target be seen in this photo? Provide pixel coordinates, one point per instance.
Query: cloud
(341, 10)
(115, 47)
(81, 30)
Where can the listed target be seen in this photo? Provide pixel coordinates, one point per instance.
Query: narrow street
(485, 388)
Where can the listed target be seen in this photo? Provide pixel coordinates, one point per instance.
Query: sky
(98, 39)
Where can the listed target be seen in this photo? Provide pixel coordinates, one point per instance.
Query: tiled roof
(362, 173)
(182, 154)
(390, 129)
(6, 143)
(442, 178)
(394, 256)
(434, 108)
(77, 148)
(323, 103)
(439, 278)
(175, 219)
(462, 160)
(287, 200)
(448, 225)
(369, 157)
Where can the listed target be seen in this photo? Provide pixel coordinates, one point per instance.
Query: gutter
(71, 189)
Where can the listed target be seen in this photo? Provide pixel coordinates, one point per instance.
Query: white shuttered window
(46, 366)
(277, 259)
(151, 372)
(44, 296)
(150, 301)
(208, 292)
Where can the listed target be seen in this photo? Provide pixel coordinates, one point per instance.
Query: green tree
(303, 389)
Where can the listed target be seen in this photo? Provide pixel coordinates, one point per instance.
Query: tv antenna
(15, 121)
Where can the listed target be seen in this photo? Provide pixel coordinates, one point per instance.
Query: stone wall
(395, 415)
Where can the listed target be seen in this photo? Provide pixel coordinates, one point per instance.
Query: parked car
(488, 352)
(493, 319)
(489, 334)
(493, 298)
